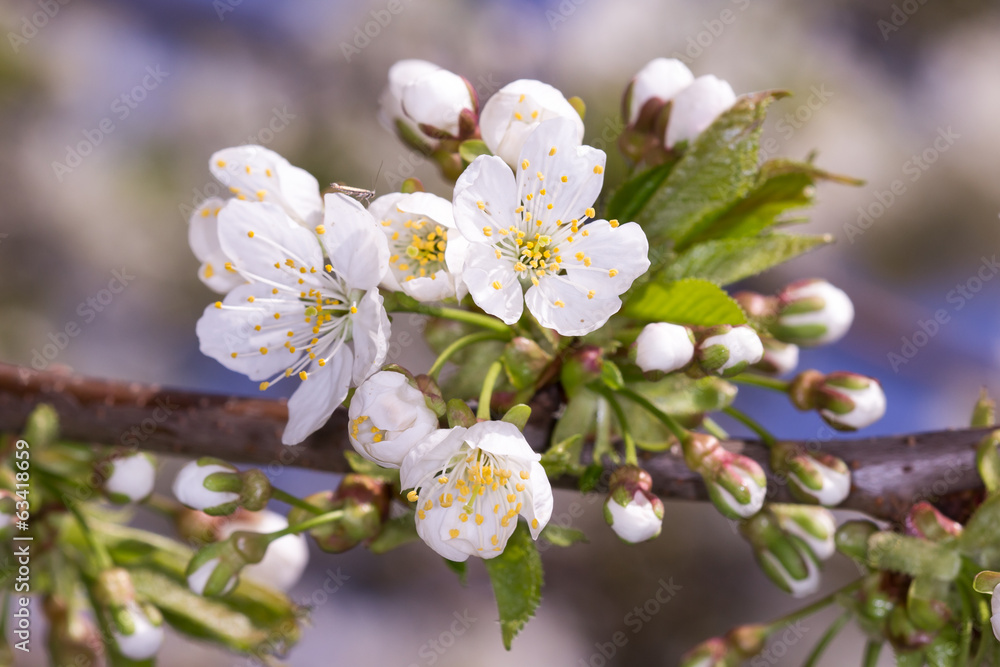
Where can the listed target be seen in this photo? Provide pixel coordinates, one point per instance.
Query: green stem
(631, 457)
(308, 524)
(651, 408)
(486, 395)
(164, 505)
(752, 424)
(100, 553)
(762, 381)
(872, 650)
(294, 501)
(827, 637)
(811, 609)
(459, 344)
(457, 314)
(713, 427)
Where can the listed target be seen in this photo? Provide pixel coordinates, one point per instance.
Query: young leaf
(518, 416)
(692, 302)
(562, 536)
(718, 169)
(725, 261)
(473, 148)
(633, 195)
(516, 575)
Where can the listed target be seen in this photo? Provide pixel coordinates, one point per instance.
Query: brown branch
(889, 473)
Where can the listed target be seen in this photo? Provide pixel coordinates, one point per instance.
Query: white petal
(317, 397)
(388, 404)
(490, 182)
(225, 331)
(623, 249)
(665, 347)
(540, 508)
(401, 74)
(501, 439)
(434, 531)
(259, 235)
(357, 248)
(189, 486)
(145, 640)
(429, 206)
(549, 156)
(696, 107)
(132, 476)
(428, 289)
(436, 99)
(559, 304)
(371, 336)
(483, 273)
(455, 255)
(431, 455)
(535, 102)
(637, 521)
(661, 78)
(203, 236)
(259, 174)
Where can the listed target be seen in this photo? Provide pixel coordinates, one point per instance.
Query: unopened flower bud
(214, 570)
(736, 483)
(659, 81)
(714, 652)
(696, 107)
(365, 502)
(218, 488)
(130, 478)
(138, 631)
(813, 525)
(813, 312)
(278, 564)
(926, 521)
(631, 509)
(421, 98)
(779, 358)
(903, 633)
(848, 401)
(748, 640)
(813, 477)
(516, 110)
(728, 350)
(852, 539)
(663, 347)
(389, 416)
(787, 559)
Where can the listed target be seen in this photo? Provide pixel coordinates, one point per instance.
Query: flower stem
(748, 421)
(308, 524)
(827, 637)
(762, 381)
(457, 314)
(294, 501)
(811, 609)
(650, 407)
(872, 650)
(164, 505)
(713, 427)
(631, 458)
(486, 395)
(461, 343)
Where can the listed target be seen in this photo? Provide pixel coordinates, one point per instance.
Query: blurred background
(110, 109)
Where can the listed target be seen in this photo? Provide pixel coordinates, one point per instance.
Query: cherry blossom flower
(422, 96)
(538, 231)
(388, 418)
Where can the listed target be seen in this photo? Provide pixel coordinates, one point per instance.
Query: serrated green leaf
(725, 261)
(718, 169)
(473, 148)
(912, 556)
(395, 533)
(692, 302)
(517, 576)
(459, 568)
(634, 194)
(562, 536)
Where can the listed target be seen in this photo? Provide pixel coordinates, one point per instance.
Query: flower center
(422, 255)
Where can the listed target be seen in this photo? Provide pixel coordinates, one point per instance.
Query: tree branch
(889, 473)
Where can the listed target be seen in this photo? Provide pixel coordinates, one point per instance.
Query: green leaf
(524, 360)
(986, 581)
(516, 575)
(725, 261)
(691, 301)
(518, 416)
(473, 148)
(611, 375)
(912, 556)
(633, 195)
(461, 569)
(561, 536)
(718, 169)
(395, 533)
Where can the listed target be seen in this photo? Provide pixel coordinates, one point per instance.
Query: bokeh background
(874, 83)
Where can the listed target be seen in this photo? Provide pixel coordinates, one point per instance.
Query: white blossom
(516, 110)
(537, 231)
(470, 485)
(665, 347)
(427, 252)
(696, 107)
(311, 297)
(660, 78)
(388, 417)
(422, 93)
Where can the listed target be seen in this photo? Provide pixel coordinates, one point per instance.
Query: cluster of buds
(728, 350)
(663, 348)
(665, 106)
(137, 628)
(391, 413)
(736, 483)
(789, 542)
(218, 488)
(846, 401)
(632, 510)
(129, 478)
(365, 504)
(813, 477)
